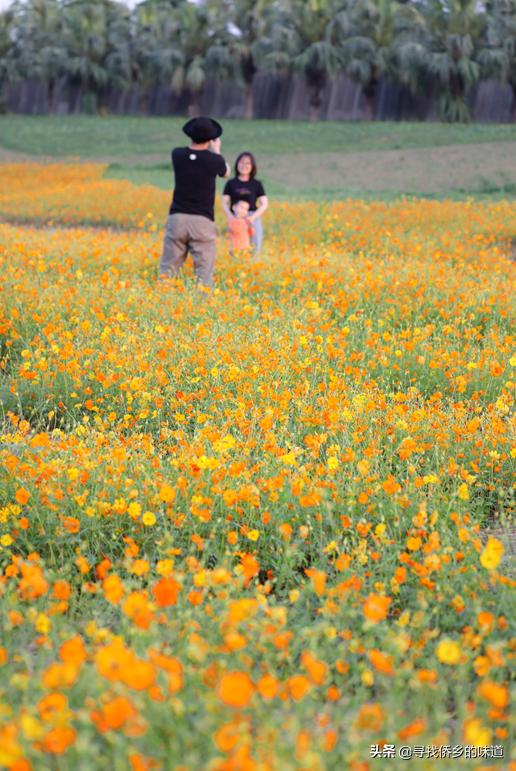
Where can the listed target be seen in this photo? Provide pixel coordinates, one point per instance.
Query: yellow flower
(164, 567)
(492, 554)
(134, 510)
(253, 535)
(289, 459)
(463, 492)
(448, 651)
(31, 728)
(333, 463)
(476, 733)
(6, 540)
(149, 519)
(167, 493)
(43, 624)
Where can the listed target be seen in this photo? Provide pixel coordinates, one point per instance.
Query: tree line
(442, 47)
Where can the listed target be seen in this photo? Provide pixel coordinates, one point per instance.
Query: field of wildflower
(253, 530)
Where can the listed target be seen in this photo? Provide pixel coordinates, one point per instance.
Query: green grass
(297, 160)
(91, 136)
(162, 177)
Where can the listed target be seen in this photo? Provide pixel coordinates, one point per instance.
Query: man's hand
(215, 145)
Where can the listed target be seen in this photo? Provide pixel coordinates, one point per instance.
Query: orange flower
(382, 662)
(226, 737)
(116, 713)
(494, 693)
(414, 728)
(167, 493)
(172, 666)
(73, 651)
(52, 706)
(317, 670)
(391, 486)
(59, 675)
(250, 566)
(136, 607)
(298, 686)
(139, 675)
(113, 589)
(62, 590)
(370, 717)
(486, 621)
(235, 689)
(58, 739)
(165, 592)
(318, 579)
(267, 687)
(22, 496)
(33, 584)
(376, 607)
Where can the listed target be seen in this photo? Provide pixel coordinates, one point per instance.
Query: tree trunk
(194, 108)
(315, 89)
(51, 90)
(78, 98)
(248, 101)
(370, 94)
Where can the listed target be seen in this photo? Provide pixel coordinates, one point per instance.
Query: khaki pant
(189, 233)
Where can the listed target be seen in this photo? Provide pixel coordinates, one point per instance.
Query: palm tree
(8, 70)
(86, 42)
(238, 51)
(305, 38)
(497, 56)
(39, 50)
(196, 35)
(378, 30)
(453, 35)
(156, 53)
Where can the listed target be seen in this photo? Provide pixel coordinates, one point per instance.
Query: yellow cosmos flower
(492, 554)
(149, 519)
(448, 652)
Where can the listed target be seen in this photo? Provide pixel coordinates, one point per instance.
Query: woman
(244, 185)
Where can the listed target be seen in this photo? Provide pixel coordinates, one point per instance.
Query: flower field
(249, 531)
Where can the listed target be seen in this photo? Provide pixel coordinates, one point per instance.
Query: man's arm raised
(215, 146)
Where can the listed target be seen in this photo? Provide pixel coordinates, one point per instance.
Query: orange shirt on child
(240, 232)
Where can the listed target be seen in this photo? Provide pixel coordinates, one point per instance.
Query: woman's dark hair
(249, 155)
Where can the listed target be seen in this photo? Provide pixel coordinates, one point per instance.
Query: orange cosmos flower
(113, 589)
(267, 687)
(370, 717)
(414, 728)
(317, 670)
(73, 651)
(382, 662)
(376, 607)
(58, 739)
(22, 496)
(494, 693)
(33, 584)
(165, 592)
(298, 686)
(235, 689)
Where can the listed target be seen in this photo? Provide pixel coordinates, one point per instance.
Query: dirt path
(425, 170)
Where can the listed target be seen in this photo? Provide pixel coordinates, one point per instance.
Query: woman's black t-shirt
(249, 191)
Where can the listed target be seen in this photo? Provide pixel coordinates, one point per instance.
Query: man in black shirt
(190, 224)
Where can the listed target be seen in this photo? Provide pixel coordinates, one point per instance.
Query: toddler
(240, 229)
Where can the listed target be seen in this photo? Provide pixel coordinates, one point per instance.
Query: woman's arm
(226, 205)
(262, 205)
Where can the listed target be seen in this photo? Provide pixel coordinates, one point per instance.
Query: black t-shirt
(195, 172)
(249, 191)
